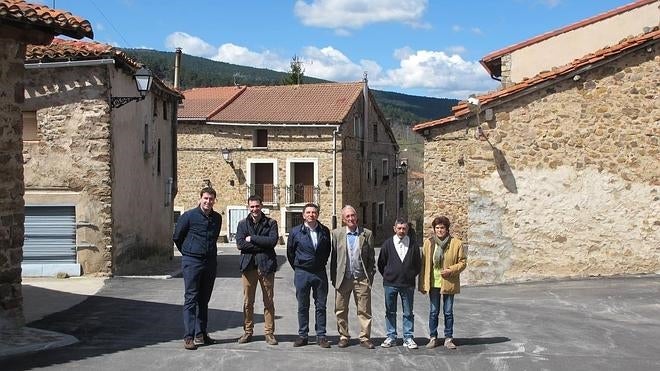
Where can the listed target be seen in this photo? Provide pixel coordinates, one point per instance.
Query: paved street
(135, 323)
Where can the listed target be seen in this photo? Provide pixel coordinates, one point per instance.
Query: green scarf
(439, 252)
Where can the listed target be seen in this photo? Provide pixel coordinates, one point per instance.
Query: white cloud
(236, 54)
(551, 3)
(456, 49)
(456, 28)
(99, 27)
(342, 14)
(438, 74)
(426, 72)
(192, 45)
(476, 30)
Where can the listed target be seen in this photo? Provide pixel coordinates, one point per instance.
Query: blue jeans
(317, 283)
(407, 294)
(447, 310)
(198, 277)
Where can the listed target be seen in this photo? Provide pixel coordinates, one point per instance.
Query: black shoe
(300, 342)
(323, 342)
(204, 339)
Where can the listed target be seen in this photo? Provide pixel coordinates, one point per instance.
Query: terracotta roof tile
(307, 103)
(202, 103)
(60, 50)
(57, 21)
(462, 110)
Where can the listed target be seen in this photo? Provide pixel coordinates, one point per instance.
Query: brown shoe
(204, 339)
(433, 342)
(367, 344)
(323, 342)
(300, 342)
(189, 344)
(246, 338)
(270, 339)
(343, 343)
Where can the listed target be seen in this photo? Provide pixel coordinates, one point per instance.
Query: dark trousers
(198, 277)
(317, 283)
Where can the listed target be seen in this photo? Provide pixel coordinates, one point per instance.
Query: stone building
(100, 178)
(515, 63)
(21, 23)
(556, 176)
(323, 143)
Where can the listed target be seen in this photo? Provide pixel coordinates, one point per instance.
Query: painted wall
(566, 47)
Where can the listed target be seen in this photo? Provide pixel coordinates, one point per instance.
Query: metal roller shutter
(50, 235)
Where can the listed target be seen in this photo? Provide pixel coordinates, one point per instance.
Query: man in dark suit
(256, 237)
(308, 250)
(196, 236)
(352, 269)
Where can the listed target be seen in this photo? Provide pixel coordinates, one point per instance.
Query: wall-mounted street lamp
(402, 167)
(226, 155)
(143, 78)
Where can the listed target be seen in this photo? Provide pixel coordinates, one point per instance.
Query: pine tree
(296, 74)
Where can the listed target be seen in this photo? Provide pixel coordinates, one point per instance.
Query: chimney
(177, 67)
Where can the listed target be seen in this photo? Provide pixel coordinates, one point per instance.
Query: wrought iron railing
(302, 194)
(269, 193)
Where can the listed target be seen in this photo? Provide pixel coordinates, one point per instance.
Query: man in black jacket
(196, 235)
(308, 250)
(256, 237)
(399, 262)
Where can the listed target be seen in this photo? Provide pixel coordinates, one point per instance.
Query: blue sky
(418, 47)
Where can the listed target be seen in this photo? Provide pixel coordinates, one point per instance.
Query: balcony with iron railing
(269, 193)
(302, 194)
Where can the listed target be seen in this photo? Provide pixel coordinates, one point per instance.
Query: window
(373, 215)
(30, 131)
(155, 111)
(260, 138)
(401, 199)
(164, 110)
(370, 169)
(375, 176)
(146, 139)
(158, 159)
(381, 213)
(262, 179)
(386, 169)
(357, 126)
(375, 128)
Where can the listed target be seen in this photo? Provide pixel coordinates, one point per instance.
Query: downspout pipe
(177, 67)
(334, 177)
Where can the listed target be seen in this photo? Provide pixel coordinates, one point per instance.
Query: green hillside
(201, 72)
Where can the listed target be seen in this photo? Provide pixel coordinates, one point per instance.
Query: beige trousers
(250, 279)
(362, 296)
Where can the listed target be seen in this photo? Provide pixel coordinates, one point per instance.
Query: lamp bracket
(116, 102)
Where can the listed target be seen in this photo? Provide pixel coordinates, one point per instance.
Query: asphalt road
(135, 323)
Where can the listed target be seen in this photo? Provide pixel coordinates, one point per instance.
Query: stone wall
(11, 183)
(73, 153)
(569, 187)
(200, 159)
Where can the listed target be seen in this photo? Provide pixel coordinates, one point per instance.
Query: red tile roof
(202, 103)
(61, 50)
(21, 14)
(486, 61)
(462, 110)
(307, 103)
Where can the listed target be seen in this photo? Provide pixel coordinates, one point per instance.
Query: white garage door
(50, 237)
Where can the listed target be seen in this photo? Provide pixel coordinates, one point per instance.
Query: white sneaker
(449, 343)
(389, 342)
(410, 343)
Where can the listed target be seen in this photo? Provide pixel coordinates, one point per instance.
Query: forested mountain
(201, 72)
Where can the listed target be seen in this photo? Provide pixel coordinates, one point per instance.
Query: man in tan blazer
(352, 269)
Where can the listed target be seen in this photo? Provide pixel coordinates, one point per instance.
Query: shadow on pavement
(106, 325)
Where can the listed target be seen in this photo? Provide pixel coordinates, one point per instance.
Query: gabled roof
(492, 64)
(61, 50)
(202, 103)
(295, 104)
(462, 110)
(18, 13)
